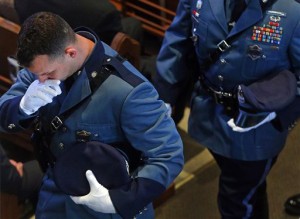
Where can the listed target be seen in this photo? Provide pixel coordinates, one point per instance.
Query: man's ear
(71, 51)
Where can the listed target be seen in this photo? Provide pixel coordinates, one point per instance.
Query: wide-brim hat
(271, 93)
(108, 164)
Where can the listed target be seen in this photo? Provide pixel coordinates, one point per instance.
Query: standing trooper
(241, 46)
(84, 95)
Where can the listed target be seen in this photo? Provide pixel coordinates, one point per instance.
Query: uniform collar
(82, 86)
(95, 60)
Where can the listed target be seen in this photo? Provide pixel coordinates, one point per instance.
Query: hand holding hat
(247, 118)
(98, 198)
(268, 117)
(272, 93)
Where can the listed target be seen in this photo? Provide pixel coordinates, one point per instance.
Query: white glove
(235, 128)
(169, 109)
(98, 199)
(39, 94)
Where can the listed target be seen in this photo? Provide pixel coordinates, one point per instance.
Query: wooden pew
(155, 15)
(10, 207)
(127, 47)
(8, 44)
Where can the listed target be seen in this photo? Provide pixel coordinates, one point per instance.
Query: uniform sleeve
(12, 119)
(291, 113)
(149, 130)
(177, 47)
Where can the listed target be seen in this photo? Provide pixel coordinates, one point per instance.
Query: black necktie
(238, 8)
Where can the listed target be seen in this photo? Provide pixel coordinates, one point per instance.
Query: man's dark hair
(43, 33)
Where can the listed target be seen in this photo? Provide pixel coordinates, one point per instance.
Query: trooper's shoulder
(117, 65)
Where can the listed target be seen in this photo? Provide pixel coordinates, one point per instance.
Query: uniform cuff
(133, 197)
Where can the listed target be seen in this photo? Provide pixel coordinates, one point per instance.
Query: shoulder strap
(95, 83)
(116, 65)
(112, 65)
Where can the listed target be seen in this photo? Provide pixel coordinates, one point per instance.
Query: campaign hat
(271, 93)
(108, 164)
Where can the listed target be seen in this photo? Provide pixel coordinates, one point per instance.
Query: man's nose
(42, 79)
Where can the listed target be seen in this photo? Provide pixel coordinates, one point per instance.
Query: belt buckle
(223, 45)
(56, 123)
(218, 97)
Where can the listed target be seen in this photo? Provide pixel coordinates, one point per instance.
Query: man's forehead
(39, 64)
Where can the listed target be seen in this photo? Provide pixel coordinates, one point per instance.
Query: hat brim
(106, 162)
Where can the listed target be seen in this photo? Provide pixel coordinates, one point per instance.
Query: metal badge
(83, 136)
(275, 18)
(255, 52)
(277, 13)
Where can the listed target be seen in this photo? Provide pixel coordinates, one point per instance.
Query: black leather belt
(227, 99)
(220, 97)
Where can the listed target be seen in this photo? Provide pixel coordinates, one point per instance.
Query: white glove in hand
(39, 94)
(98, 199)
(235, 128)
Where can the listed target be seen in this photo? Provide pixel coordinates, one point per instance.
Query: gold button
(94, 74)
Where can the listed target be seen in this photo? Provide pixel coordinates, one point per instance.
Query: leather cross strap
(223, 45)
(104, 72)
(112, 65)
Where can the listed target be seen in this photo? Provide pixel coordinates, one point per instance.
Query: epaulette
(115, 64)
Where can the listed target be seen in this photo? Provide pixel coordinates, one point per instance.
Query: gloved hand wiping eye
(39, 94)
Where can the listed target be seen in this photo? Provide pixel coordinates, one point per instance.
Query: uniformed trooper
(93, 113)
(240, 46)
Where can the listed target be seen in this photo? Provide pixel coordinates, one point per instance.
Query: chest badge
(275, 18)
(83, 136)
(270, 32)
(255, 52)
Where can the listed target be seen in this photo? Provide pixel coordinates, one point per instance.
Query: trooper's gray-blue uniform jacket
(120, 110)
(268, 42)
